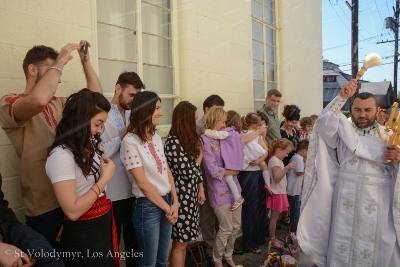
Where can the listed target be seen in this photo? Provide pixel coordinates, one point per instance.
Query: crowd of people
(94, 170)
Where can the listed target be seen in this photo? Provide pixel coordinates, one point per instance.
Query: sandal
(256, 251)
(236, 204)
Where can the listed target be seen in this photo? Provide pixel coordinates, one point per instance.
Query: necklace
(368, 131)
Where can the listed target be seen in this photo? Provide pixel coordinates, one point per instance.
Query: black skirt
(88, 242)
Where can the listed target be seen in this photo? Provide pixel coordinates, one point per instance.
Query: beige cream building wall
(214, 52)
(23, 25)
(300, 54)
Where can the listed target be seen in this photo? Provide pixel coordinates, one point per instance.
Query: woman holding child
(252, 182)
(220, 195)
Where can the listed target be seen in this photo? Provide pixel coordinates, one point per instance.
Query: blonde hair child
(278, 202)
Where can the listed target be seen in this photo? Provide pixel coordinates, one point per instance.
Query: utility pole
(354, 38)
(396, 47)
(393, 24)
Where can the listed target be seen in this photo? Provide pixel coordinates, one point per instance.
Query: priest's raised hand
(348, 89)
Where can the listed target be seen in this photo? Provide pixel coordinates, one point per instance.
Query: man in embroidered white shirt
(119, 189)
(350, 205)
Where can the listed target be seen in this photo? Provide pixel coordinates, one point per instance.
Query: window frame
(266, 63)
(175, 94)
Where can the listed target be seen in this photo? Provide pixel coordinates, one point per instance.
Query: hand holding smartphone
(85, 48)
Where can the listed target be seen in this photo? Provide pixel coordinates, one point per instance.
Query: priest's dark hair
(364, 96)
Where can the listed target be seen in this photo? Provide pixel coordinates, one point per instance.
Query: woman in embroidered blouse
(153, 186)
(184, 152)
(220, 199)
(79, 177)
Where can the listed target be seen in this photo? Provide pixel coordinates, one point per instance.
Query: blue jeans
(294, 202)
(48, 224)
(153, 232)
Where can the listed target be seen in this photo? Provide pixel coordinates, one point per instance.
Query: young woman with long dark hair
(79, 176)
(156, 205)
(184, 152)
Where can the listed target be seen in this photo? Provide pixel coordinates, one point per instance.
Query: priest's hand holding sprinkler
(370, 60)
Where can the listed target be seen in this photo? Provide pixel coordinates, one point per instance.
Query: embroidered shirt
(149, 155)
(119, 187)
(30, 139)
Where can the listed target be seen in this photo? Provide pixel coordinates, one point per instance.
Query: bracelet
(98, 188)
(56, 68)
(94, 191)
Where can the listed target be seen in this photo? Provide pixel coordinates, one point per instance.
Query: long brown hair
(184, 128)
(282, 143)
(142, 109)
(233, 120)
(74, 130)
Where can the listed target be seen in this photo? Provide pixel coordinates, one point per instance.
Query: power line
(346, 64)
(358, 22)
(378, 10)
(363, 40)
(387, 7)
(379, 65)
(339, 16)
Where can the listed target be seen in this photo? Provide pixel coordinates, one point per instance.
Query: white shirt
(149, 155)
(294, 182)
(61, 166)
(119, 186)
(250, 167)
(252, 150)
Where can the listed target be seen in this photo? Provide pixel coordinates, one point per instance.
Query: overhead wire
(339, 16)
(363, 40)
(350, 22)
(378, 10)
(368, 11)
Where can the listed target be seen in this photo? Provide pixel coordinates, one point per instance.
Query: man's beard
(366, 123)
(123, 104)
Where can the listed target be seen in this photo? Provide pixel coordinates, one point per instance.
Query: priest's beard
(363, 122)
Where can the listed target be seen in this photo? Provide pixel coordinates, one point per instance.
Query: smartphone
(85, 48)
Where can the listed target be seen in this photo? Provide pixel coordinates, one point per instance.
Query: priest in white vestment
(351, 194)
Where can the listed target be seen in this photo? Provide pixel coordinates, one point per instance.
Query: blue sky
(336, 35)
